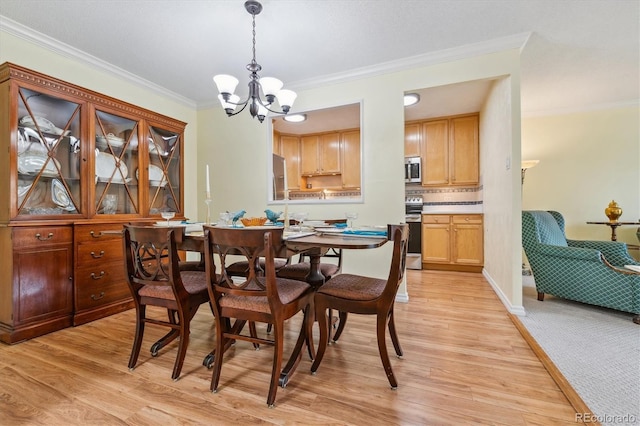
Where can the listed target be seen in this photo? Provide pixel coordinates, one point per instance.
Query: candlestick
(207, 182)
(208, 201)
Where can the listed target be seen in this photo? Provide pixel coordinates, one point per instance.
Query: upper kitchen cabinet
(320, 154)
(450, 150)
(412, 139)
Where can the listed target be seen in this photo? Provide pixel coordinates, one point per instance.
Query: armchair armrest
(615, 252)
(569, 252)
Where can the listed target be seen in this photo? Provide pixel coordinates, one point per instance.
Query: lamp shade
(286, 98)
(225, 83)
(527, 164)
(270, 85)
(231, 104)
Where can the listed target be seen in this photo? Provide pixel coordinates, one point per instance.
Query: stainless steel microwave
(412, 169)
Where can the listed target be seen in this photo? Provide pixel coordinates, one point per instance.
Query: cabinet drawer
(466, 218)
(99, 252)
(98, 232)
(435, 218)
(41, 236)
(106, 285)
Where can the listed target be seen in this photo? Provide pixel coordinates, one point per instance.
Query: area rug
(596, 349)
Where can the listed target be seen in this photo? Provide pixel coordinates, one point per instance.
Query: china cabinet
(74, 166)
(452, 242)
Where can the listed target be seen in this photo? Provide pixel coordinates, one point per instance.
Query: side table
(613, 226)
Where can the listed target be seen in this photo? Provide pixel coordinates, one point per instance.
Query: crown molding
(516, 41)
(30, 35)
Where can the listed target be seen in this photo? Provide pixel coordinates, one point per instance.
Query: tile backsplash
(445, 196)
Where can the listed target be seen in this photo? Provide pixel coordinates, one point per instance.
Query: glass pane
(164, 170)
(48, 155)
(116, 164)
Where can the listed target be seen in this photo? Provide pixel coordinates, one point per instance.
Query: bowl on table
(254, 221)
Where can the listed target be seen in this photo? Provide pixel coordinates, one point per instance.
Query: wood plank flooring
(464, 363)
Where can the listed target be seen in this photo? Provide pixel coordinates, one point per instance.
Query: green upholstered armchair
(585, 271)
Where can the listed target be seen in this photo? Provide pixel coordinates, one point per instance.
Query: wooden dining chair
(155, 279)
(254, 298)
(359, 294)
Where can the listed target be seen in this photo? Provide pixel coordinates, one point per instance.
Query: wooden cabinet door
(351, 159)
(467, 245)
(290, 146)
(330, 153)
(436, 242)
(42, 274)
(412, 140)
(435, 168)
(463, 150)
(309, 155)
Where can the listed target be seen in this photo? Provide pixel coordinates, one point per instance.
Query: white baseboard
(514, 309)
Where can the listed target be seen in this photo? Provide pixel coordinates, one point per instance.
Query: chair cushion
(549, 230)
(193, 281)
(289, 290)
(353, 287)
(299, 271)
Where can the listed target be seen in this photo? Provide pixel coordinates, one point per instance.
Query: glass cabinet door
(48, 155)
(164, 170)
(116, 164)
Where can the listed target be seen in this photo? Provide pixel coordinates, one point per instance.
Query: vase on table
(613, 211)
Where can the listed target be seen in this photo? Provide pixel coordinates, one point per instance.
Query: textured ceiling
(580, 55)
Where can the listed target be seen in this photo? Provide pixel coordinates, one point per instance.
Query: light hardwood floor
(464, 363)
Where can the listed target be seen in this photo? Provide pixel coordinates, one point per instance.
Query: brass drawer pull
(94, 235)
(100, 296)
(97, 277)
(97, 256)
(48, 237)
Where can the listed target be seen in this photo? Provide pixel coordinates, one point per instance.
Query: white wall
(502, 222)
(586, 160)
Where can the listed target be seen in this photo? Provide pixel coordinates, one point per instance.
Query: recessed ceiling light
(295, 118)
(411, 99)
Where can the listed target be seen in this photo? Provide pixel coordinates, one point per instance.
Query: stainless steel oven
(413, 217)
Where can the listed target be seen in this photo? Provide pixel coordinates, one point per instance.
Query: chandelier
(271, 87)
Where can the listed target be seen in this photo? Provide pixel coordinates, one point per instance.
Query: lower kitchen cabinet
(452, 242)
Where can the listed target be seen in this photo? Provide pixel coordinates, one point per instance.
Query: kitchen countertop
(452, 209)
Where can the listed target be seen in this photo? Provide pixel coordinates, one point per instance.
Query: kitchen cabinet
(412, 139)
(351, 159)
(291, 153)
(452, 242)
(320, 154)
(70, 158)
(450, 148)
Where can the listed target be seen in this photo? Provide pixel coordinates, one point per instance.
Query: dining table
(313, 244)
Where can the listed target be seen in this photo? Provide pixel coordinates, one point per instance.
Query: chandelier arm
(241, 109)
